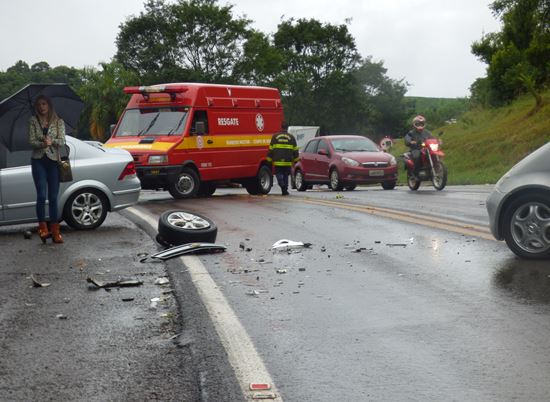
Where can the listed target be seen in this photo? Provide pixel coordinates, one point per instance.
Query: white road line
(247, 363)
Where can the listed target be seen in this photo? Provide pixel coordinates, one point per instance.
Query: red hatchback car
(343, 162)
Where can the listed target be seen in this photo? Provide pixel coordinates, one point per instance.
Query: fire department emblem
(200, 142)
(259, 122)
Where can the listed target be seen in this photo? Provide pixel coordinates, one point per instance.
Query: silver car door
(18, 191)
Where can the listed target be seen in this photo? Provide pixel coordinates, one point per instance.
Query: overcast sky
(426, 42)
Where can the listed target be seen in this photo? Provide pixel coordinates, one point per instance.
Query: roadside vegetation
(485, 142)
(324, 80)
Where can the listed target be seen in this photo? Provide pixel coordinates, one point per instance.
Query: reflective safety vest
(283, 150)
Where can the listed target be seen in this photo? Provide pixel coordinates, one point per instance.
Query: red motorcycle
(431, 166)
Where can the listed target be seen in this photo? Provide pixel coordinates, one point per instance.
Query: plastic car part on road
(176, 227)
(189, 248)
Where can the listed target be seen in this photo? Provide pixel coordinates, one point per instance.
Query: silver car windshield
(354, 145)
(152, 121)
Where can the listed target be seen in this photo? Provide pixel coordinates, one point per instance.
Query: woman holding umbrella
(46, 135)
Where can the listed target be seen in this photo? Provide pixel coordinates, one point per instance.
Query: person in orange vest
(283, 154)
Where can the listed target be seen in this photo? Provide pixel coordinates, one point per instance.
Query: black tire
(186, 184)
(350, 187)
(523, 226)
(388, 185)
(206, 189)
(177, 227)
(412, 182)
(86, 209)
(262, 183)
(335, 182)
(440, 180)
(301, 184)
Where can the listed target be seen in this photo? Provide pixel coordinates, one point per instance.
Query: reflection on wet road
(378, 309)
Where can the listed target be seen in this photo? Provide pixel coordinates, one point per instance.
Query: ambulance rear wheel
(262, 183)
(186, 184)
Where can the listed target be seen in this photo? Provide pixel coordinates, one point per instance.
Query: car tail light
(129, 170)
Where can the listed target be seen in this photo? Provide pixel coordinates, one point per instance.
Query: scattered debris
(154, 303)
(188, 248)
(396, 245)
(115, 284)
(282, 271)
(358, 250)
(162, 281)
(377, 242)
(301, 269)
(61, 317)
(260, 387)
(266, 395)
(256, 292)
(37, 284)
(323, 249)
(285, 244)
(27, 234)
(128, 299)
(241, 245)
(339, 196)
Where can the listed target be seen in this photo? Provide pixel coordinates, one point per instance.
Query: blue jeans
(46, 181)
(282, 172)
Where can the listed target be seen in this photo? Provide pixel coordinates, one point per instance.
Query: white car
(104, 179)
(519, 206)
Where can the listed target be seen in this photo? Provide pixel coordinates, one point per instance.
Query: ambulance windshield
(152, 121)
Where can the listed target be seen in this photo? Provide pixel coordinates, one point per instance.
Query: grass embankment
(485, 143)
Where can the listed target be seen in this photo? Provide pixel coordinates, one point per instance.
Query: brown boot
(56, 234)
(43, 231)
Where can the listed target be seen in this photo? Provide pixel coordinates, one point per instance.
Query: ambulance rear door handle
(209, 142)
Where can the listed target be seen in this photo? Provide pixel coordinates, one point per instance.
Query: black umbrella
(16, 111)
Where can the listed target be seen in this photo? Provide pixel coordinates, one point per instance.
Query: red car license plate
(376, 173)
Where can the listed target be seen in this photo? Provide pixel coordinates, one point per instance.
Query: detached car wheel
(86, 209)
(179, 227)
(527, 226)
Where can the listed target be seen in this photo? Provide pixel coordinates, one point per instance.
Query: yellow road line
(430, 221)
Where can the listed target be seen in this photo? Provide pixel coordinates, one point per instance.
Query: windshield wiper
(146, 129)
(177, 125)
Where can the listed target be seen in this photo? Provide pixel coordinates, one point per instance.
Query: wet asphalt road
(68, 342)
(377, 309)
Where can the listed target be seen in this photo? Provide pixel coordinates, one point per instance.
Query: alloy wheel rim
(334, 179)
(87, 209)
(530, 227)
(188, 221)
(298, 179)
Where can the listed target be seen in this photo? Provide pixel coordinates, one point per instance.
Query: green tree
(517, 56)
(194, 40)
(104, 98)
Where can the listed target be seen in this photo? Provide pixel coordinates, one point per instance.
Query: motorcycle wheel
(413, 182)
(439, 181)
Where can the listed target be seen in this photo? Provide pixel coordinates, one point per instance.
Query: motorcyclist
(415, 138)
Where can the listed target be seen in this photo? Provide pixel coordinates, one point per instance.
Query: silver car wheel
(185, 184)
(265, 180)
(187, 221)
(298, 179)
(87, 209)
(530, 227)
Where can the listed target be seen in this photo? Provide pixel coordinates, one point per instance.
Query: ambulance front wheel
(186, 184)
(262, 183)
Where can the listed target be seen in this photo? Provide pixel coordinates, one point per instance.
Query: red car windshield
(354, 145)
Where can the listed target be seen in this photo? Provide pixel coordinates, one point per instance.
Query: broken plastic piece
(260, 387)
(285, 244)
(162, 281)
(188, 248)
(37, 284)
(115, 284)
(264, 395)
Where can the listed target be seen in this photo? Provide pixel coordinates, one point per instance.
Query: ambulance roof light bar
(146, 90)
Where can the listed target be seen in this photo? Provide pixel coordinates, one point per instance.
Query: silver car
(104, 179)
(519, 206)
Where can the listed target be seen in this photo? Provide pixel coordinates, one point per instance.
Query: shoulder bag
(63, 165)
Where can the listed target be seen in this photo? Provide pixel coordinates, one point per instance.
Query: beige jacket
(56, 132)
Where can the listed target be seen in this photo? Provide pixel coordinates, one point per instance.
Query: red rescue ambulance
(187, 137)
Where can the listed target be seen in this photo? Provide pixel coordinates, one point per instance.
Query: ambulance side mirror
(200, 128)
(111, 129)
